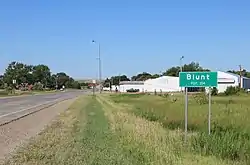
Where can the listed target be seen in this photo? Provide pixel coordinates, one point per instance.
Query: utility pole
(111, 84)
(182, 57)
(56, 82)
(100, 68)
(240, 83)
(119, 83)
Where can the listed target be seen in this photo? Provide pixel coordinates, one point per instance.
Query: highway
(16, 106)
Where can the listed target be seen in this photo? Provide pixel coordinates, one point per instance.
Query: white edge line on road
(22, 110)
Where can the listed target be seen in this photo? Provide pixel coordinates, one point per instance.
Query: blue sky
(135, 36)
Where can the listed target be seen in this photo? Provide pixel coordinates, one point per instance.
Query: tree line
(37, 77)
(173, 71)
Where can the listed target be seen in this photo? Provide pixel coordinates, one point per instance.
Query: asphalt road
(14, 104)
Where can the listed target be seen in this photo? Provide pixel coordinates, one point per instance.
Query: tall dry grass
(230, 133)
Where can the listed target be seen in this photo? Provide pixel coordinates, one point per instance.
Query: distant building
(171, 84)
(126, 85)
(162, 84)
(226, 79)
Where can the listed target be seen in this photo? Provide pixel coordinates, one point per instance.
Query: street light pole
(56, 82)
(182, 57)
(100, 69)
(119, 82)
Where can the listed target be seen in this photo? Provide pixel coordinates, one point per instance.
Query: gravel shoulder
(17, 133)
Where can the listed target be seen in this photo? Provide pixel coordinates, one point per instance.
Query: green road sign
(198, 79)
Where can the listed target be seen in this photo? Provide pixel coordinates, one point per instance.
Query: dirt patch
(16, 133)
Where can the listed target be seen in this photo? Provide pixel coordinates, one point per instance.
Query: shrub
(165, 95)
(9, 89)
(232, 90)
(202, 89)
(214, 91)
(38, 86)
(4, 92)
(201, 98)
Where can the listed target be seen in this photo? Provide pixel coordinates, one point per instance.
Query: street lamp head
(182, 57)
(93, 41)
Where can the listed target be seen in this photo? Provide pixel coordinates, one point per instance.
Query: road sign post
(197, 79)
(186, 112)
(209, 111)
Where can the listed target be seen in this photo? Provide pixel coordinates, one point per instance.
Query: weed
(201, 98)
(230, 135)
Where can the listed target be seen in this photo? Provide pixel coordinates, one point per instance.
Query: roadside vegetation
(172, 71)
(5, 93)
(230, 135)
(20, 78)
(143, 129)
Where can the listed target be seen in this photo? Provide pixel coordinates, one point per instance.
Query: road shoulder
(17, 133)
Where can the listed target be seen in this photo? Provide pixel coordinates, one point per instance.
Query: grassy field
(143, 130)
(230, 133)
(4, 93)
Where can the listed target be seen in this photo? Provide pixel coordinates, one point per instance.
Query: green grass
(4, 93)
(84, 135)
(122, 129)
(230, 138)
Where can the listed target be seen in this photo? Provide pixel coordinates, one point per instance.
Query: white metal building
(162, 84)
(126, 85)
(226, 79)
(171, 84)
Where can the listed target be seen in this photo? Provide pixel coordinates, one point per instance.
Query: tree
(155, 76)
(42, 74)
(84, 84)
(114, 80)
(124, 78)
(1, 82)
(16, 71)
(107, 83)
(76, 85)
(61, 79)
(244, 73)
(192, 67)
(52, 82)
(141, 77)
(173, 71)
(39, 76)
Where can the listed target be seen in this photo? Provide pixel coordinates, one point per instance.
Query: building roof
(236, 75)
(132, 82)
